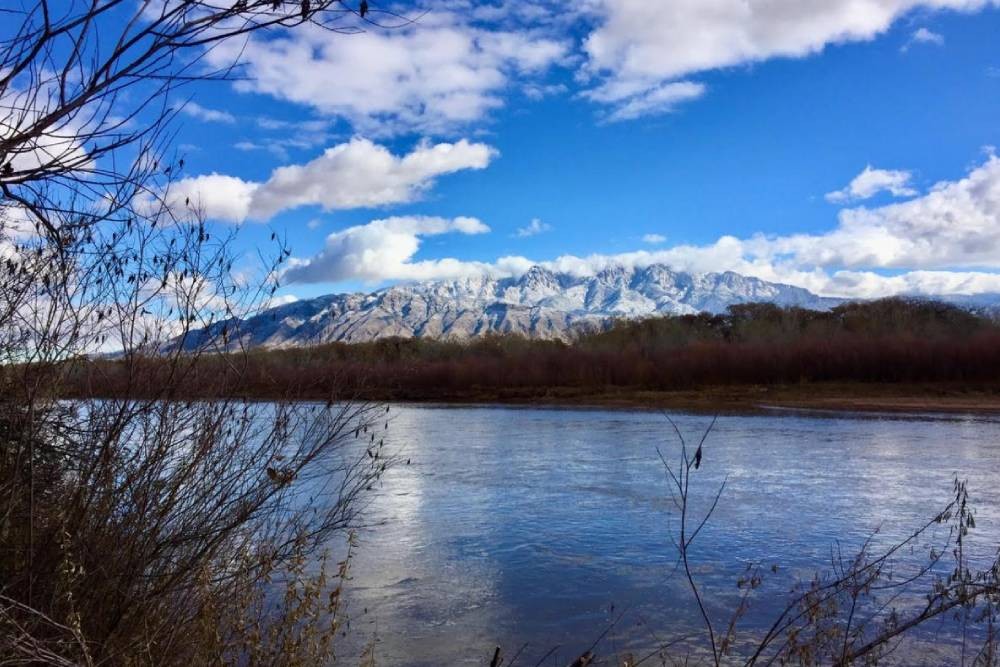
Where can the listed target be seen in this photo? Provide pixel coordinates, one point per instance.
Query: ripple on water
(515, 526)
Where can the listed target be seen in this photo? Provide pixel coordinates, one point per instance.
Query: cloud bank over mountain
(384, 249)
(924, 240)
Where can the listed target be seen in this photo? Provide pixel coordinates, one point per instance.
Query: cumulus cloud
(872, 181)
(647, 44)
(956, 224)
(434, 77)
(384, 249)
(207, 115)
(363, 174)
(217, 196)
(946, 241)
(356, 174)
(654, 239)
(533, 228)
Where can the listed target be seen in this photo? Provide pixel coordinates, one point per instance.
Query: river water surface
(538, 526)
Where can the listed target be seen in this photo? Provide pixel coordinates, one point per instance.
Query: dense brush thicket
(891, 340)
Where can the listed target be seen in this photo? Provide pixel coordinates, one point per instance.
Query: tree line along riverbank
(889, 354)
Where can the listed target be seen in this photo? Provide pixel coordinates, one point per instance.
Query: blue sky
(842, 146)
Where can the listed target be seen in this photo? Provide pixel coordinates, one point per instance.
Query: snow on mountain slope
(539, 303)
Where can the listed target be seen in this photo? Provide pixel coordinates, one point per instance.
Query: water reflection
(515, 526)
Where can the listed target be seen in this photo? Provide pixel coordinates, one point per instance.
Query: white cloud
(355, 174)
(872, 181)
(313, 125)
(533, 228)
(646, 44)
(956, 224)
(280, 136)
(383, 250)
(632, 101)
(935, 239)
(279, 300)
(926, 36)
(923, 36)
(363, 174)
(58, 146)
(217, 196)
(195, 110)
(944, 242)
(654, 239)
(537, 91)
(16, 222)
(16, 226)
(433, 77)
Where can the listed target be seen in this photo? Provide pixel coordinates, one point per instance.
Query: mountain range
(540, 303)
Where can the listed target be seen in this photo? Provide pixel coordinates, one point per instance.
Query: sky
(845, 146)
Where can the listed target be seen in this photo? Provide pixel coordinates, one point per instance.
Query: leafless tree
(87, 87)
(140, 529)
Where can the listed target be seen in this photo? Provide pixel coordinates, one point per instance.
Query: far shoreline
(803, 399)
(753, 400)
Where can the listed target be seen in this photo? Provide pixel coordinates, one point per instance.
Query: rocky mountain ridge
(540, 303)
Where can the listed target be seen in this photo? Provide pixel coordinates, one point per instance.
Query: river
(539, 526)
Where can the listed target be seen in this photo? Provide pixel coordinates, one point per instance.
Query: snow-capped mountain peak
(539, 303)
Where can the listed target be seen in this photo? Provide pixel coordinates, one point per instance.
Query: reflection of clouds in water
(526, 525)
(419, 595)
